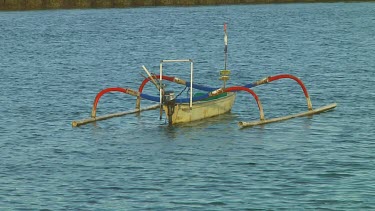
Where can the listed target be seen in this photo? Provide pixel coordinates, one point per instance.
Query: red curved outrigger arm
(242, 88)
(111, 89)
(282, 76)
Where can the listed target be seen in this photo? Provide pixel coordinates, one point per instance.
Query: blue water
(53, 63)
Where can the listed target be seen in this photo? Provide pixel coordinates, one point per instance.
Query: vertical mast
(225, 46)
(224, 74)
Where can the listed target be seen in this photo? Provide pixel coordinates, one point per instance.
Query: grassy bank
(71, 4)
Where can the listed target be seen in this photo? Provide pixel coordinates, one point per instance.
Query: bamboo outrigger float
(209, 103)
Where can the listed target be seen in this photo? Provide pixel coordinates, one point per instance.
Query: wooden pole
(307, 113)
(78, 123)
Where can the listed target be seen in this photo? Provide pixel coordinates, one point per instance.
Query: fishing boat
(214, 106)
(207, 102)
(196, 107)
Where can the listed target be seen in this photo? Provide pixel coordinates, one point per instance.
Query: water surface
(53, 63)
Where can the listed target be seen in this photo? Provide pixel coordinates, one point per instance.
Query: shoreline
(23, 5)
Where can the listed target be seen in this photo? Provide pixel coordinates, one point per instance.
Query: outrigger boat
(209, 103)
